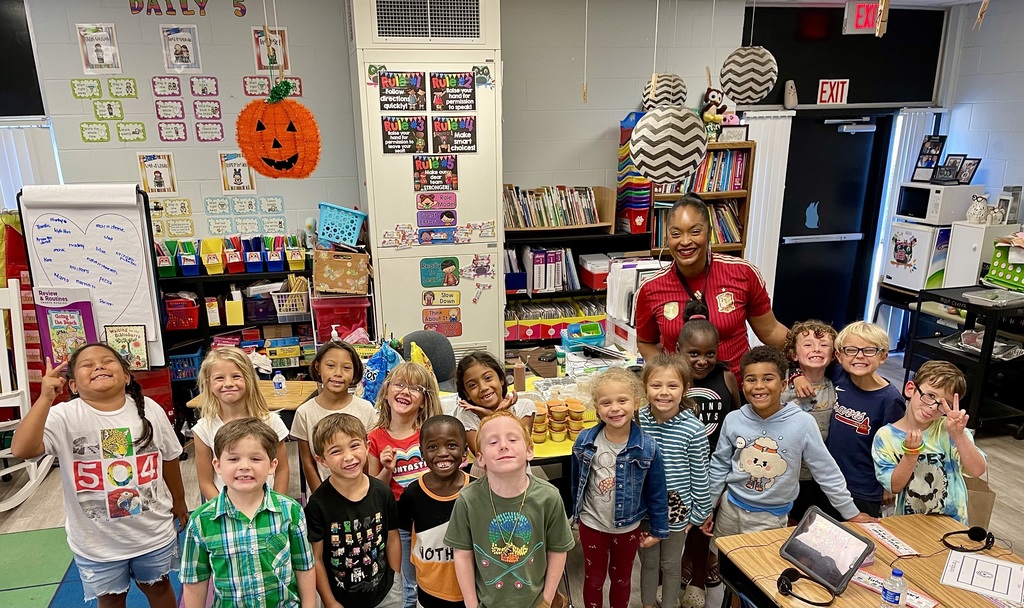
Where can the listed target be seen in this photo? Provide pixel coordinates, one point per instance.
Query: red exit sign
(860, 17)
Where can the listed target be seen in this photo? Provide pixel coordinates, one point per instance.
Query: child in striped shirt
(671, 421)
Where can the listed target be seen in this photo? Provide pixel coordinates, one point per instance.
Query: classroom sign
(402, 91)
(439, 272)
(435, 173)
(452, 91)
(436, 200)
(449, 330)
(123, 88)
(404, 134)
(436, 236)
(431, 219)
(441, 297)
(86, 88)
(442, 315)
(453, 134)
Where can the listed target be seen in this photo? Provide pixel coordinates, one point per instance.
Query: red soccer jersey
(734, 292)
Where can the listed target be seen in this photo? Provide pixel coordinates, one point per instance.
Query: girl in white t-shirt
(483, 389)
(336, 367)
(228, 390)
(119, 468)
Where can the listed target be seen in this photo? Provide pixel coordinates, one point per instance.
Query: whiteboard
(96, 236)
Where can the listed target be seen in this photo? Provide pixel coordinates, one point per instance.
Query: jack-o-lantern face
(279, 137)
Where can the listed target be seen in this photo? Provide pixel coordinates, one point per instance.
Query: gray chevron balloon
(668, 143)
(748, 74)
(668, 90)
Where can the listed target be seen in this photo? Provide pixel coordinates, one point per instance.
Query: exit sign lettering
(859, 17)
(833, 92)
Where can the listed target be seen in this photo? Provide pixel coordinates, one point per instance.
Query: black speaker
(790, 576)
(976, 534)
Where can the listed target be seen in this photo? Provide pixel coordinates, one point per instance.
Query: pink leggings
(611, 556)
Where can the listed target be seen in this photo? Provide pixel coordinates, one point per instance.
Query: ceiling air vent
(427, 19)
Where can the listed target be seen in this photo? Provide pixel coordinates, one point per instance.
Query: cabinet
(970, 246)
(993, 395)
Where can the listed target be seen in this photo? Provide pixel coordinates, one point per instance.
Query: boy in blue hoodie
(759, 454)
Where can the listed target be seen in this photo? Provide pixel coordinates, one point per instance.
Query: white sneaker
(693, 597)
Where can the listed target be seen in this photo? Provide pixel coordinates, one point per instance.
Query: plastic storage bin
(181, 314)
(189, 264)
(254, 261)
(165, 266)
(258, 310)
(185, 368)
(349, 314)
(275, 260)
(339, 224)
(292, 307)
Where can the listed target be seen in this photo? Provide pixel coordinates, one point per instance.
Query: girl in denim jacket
(618, 479)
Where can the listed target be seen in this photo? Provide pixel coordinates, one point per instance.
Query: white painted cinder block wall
(550, 136)
(987, 116)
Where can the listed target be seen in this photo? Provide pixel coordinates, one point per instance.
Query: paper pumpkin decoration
(668, 143)
(748, 74)
(278, 136)
(664, 90)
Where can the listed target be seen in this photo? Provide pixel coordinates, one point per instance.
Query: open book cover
(66, 320)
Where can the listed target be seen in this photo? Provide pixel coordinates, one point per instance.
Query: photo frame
(967, 170)
(945, 175)
(928, 157)
(954, 160)
(1003, 202)
(734, 133)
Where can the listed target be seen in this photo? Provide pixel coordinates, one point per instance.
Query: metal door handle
(822, 238)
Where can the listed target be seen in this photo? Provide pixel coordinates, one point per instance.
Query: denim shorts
(112, 578)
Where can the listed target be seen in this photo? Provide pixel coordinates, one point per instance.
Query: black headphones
(976, 534)
(792, 575)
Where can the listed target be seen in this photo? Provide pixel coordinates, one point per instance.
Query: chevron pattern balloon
(668, 90)
(748, 74)
(668, 143)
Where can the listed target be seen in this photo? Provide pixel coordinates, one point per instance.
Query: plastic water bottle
(894, 590)
(279, 384)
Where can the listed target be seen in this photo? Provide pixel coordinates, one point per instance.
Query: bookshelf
(723, 180)
(597, 203)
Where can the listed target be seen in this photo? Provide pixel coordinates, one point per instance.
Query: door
(829, 217)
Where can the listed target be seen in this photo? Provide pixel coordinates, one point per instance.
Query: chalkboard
(21, 96)
(96, 236)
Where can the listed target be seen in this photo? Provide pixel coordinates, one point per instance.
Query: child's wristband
(907, 450)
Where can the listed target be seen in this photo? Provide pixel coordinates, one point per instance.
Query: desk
(297, 393)
(753, 570)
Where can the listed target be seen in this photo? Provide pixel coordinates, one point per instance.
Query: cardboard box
(341, 272)
(512, 330)
(593, 280)
(277, 331)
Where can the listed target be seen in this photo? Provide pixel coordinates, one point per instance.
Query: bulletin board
(96, 236)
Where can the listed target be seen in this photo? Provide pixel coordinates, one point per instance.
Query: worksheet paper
(985, 575)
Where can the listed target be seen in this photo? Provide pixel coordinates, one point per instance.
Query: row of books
(551, 309)
(721, 171)
(549, 206)
(724, 216)
(546, 270)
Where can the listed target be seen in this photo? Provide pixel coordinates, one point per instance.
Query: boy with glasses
(923, 456)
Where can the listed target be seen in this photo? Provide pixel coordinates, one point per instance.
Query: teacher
(731, 287)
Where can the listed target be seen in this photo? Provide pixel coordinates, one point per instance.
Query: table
(753, 570)
(297, 393)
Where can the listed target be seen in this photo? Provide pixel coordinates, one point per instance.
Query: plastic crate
(1001, 273)
(349, 314)
(339, 224)
(181, 317)
(185, 368)
(292, 307)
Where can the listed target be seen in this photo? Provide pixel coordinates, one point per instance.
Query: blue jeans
(112, 578)
(408, 571)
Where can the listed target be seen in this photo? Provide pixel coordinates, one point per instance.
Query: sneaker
(693, 597)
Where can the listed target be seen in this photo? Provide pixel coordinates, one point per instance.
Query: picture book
(66, 320)
(130, 342)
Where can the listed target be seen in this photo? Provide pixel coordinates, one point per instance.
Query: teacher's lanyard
(695, 295)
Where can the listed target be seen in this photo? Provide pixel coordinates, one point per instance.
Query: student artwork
(436, 200)
(453, 134)
(903, 250)
(94, 132)
(219, 226)
(172, 131)
(181, 49)
(131, 131)
(279, 137)
(452, 91)
(157, 172)
(107, 109)
(86, 88)
(404, 134)
(217, 205)
(663, 90)
(167, 86)
(256, 86)
(206, 109)
(235, 173)
(180, 228)
(439, 272)
(668, 144)
(130, 342)
(98, 45)
(123, 88)
(435, 173)
(749, 74)
(928, 157)
(170, 109)
(272, 55)
(402, 91)
(209, 131)
(204, 86)
(66, 320)
(482, 74)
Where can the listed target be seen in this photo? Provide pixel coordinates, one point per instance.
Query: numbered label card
(452, 91)
(131, 131)
(108, 110)
(209, 131)
(86, 88)
(123, 88)
(204, 86)
(402, 91)
(94, 132)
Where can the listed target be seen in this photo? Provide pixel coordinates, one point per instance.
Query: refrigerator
(915, 256)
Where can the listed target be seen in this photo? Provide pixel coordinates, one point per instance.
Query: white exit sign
(860, 17)
(833, 92)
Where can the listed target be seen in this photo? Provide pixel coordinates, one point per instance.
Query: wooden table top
(297, 392)
(763, 564)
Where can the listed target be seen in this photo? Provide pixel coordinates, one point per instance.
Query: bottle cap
(897, 572)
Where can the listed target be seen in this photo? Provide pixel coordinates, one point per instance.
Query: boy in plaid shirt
(250, 539)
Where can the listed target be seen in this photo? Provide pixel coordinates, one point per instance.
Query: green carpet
(40, 557)
(32, 597)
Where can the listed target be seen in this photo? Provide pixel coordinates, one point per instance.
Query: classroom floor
(41, 576)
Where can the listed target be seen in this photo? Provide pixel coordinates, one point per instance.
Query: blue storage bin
(275, 260)
(189, 264)
(254, 261)
(339, 224)
(578, 334)
(185, 368)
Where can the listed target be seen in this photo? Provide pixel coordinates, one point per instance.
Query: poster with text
(402, 91)
(157, 173)
(181, 49)
(435, 173)
(452, 92)
(456, 134)
(272, 56)
(404, 134)
(98, 45)
(235, 173)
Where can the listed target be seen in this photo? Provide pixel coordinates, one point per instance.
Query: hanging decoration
(664, 90)
(749, 73)
(713, 109)
(668, 144)
(882, 18)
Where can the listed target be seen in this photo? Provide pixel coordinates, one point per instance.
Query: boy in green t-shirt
(508, 529)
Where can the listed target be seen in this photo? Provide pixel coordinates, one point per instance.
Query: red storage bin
(181, 314)
(349, 314)
(156, 384)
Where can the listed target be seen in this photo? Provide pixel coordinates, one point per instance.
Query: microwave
(933, 204)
